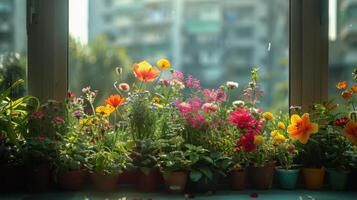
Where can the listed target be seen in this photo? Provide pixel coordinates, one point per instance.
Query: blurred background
(213, 40)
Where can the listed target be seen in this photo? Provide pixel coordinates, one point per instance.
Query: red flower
(58, 120)
(341, 122)
(291, 149)
(247, 142)
(41, 137)
(71, 95)
(341, 85)
(346, 95)
(37, 115)
(244, 120)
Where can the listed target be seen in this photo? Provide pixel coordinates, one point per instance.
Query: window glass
(213, 40)
(342, 42)
(13, 44)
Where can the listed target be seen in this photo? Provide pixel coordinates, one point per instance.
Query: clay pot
(10, 174)
(313, 178)
(205, 184)
(128, 177)
(38, 178)
(72, 180)
(176, 182)
(148, 182)
(262, 177)
(104, 183)
(238, 179)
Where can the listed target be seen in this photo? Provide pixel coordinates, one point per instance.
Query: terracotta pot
(238, 179)
(176, 182)
(38, 178)
(262, 177)
(104, 183)
(205, 184)
(128, 177)
(10, 174)
(313, 178)
(148, 182)
(72, 180)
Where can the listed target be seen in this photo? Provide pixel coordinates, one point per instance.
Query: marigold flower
(281, 125)
(164, 64)
(105, 111)
(279, 138)
(268, 116)
(145, 72)
(115, 100)
(124, 87)
(274, 133)
(341, 85)
(156, 100)
(258, 140)
(346, 95)
(301, 128)
(350, 132)
(354, 89)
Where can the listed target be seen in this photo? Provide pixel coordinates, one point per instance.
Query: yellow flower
(274, 133)
(159, 106)
(279, 138)
(237, 166)
(86, 122)
(258, 140)
(164, 64)
(281, 125)
(105, 111)
(268, 116)
(156, 100)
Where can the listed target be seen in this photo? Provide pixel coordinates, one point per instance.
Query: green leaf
(195, 175)
(207, 172)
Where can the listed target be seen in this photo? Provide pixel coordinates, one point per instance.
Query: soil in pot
(104, 182)
(313, 178)
(38, 178)
(262, 177)
(287, 177)
(10, 174)
(72, 180)
(175, 182)
(337, 179)
(238, 179)
(148, 182)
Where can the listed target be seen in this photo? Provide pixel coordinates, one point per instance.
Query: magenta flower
(37, 115)
(217, 96)
(209, 107)
(177, 75)
(193, 83)
(244, 120)
(58, 120)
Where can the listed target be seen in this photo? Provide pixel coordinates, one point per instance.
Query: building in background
(214, 40)
(13, 26)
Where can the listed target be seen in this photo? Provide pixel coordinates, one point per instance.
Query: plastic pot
(287, 177)
(313, 178)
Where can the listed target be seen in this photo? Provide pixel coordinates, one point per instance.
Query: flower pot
(10, 174)
(104, 183)
(262, 177)
(128, 177)
(176, 182)
(313, 178)
(287, 177)
(72, 180)
(148, 182)
(206, 185)
(337, 179)
(38, 178)
(238, 179)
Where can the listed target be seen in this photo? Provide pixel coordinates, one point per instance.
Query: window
(13, 44)
(342, 41)
(213, 40)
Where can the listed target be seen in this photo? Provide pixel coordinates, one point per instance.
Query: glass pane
(13, 44)
(213, 40)
(343, 42)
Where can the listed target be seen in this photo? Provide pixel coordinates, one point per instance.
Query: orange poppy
(115, 100)
(145, 72)
(350, 131)
(301, 128)
(354, 89)
(341, 85)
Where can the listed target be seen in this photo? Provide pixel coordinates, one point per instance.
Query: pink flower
(58, 120)
(193, 83)
(124, 87)
(177, 75)
(86, 89)
(197, 120)
(165, 82)
(244, 120)
(209, 107)
(217, 96)
(37, 115)
(184, 108)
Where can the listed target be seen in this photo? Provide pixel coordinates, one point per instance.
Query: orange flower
(341, 85)
(145, 72)
(354, 89)
(301, 128)
(346, 95)
(115, 100)
(350, 131)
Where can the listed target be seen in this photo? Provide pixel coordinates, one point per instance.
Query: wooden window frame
(47, 25)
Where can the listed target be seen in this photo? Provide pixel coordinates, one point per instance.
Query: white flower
(232, 85)
(238, 103)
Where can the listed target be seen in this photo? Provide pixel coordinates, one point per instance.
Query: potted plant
(14, 115)
(239, 164)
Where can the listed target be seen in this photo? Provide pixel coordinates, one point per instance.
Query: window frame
(47, 25)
